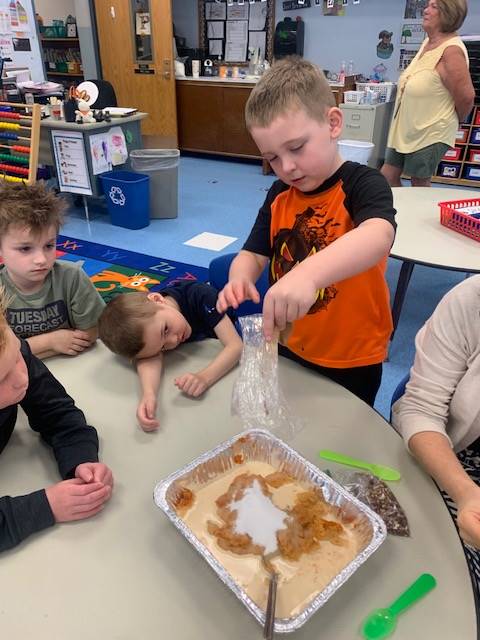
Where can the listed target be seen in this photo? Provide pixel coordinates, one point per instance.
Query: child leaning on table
(142, 326)
(53, 305)
(87, 483)
(326, 228)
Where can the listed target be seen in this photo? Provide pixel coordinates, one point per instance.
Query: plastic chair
(399, 391)
(218, 277)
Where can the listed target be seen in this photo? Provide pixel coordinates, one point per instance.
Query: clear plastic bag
(378, 496)
(256, 397)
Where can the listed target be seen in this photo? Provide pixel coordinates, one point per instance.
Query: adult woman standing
(435, 93)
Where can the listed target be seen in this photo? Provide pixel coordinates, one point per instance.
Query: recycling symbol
(117, 196)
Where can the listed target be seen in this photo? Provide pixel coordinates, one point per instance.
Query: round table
(421, 239)
(128, 573)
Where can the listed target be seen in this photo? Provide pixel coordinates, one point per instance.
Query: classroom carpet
(115, 271)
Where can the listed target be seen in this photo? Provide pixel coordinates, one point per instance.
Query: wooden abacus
(19, 140)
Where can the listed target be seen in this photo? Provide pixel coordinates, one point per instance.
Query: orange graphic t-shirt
(349, 324)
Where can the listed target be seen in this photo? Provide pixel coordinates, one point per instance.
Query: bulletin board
(19, 38)
(228, 28)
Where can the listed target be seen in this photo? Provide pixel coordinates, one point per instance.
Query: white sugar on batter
(258, 517)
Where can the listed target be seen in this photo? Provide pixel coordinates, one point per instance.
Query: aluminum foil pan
(260, 445)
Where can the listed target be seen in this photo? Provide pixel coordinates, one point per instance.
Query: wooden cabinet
(211, 118)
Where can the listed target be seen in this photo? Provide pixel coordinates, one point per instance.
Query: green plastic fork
(379, 470)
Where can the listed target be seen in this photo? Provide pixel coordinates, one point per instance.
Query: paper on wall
(236, 41)
(257, 40)
(215, 29)
(215, 47)
(258, 16)
(237, 11)
(117, 146)
(215, 11)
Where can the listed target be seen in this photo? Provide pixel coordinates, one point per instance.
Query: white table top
(128, 574)
(422, 239)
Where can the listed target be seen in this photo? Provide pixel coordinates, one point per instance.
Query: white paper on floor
(212, 241)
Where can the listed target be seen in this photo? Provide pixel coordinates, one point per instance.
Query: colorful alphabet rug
(115, 271)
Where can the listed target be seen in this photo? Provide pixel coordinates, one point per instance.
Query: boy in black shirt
(87, 483)
(142, 326)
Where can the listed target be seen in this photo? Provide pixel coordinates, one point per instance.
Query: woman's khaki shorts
(418, 164)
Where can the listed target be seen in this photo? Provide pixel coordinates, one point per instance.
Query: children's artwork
(414, 9)
(142, 24)
(412, 33)
(385, 46)
(100, 154)
(333, 8)
(117, 146)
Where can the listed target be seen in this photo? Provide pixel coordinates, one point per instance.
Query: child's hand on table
(146, 413)
(76, 500)
(235, 292)
(191, 384)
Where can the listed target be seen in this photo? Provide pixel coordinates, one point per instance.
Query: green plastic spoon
(382, 622)
(379, 470)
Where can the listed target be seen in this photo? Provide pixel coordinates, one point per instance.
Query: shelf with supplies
(461, 164)
(59, 40)
(62, 58)
(64, 73)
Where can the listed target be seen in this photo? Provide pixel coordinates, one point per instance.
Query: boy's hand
(146, 410)
(76, 500)
(286, 301)
(235, 292)
(192, 384)
(70, 342)
(94, 472)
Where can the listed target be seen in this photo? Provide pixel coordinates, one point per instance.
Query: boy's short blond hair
(29, 206)
(122, 323)
(291, 83)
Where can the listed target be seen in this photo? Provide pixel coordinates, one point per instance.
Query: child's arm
(194, 384)
(244, 272)
(358, 250)
(150, 372)
(70, 342)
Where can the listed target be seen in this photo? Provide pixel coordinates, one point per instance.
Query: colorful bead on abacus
(11, 178)
(10, 136)
(11, 158)
(10, 114)
(9, 125)
(12, 169)
(17, 147)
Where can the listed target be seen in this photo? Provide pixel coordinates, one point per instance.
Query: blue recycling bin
(128, 198)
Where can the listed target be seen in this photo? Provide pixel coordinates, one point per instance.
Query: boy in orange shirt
(325, 229)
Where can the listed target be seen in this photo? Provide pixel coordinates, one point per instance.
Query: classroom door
(136, 54)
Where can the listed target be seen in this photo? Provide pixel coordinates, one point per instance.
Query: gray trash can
(161, 165)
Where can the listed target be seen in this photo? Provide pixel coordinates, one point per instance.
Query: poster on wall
(414, 9)
(406, 56)
(412, 33)
(385, 46)
(18, 39)
(333, 8)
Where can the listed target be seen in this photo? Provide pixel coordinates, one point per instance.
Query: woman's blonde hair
(452, 14)
(291, 83)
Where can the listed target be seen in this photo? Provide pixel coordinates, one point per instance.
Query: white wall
(50, 9)
(331, 39)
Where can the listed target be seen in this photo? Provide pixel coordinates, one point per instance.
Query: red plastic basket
(451, 217)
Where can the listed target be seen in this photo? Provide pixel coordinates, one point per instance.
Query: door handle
(167, 69)
(166, 75)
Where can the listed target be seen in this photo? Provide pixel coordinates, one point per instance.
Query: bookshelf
(63, 59)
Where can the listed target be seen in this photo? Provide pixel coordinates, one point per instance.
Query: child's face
(28, 257)
(13, 372)
(165, 331)
(302, 151)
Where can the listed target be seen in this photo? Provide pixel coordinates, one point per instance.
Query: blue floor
(223, 197)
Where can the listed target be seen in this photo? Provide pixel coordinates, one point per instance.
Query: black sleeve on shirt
(368, 194)
(259, 239)
(23, 515)
(52, 413)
